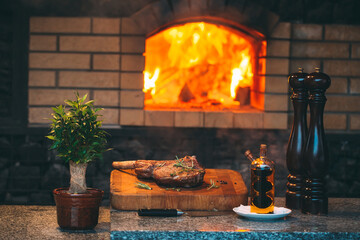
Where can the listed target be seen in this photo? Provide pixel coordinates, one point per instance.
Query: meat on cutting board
(184, 172)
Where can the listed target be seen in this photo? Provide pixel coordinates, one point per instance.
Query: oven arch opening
(204, 65)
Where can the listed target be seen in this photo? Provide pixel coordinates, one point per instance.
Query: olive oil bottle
(262, 190)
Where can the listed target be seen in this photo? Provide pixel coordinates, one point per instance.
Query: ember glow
(197, 65)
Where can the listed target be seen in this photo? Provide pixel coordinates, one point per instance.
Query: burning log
(243, 95)
(186, 95)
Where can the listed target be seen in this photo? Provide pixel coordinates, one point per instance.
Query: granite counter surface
(342, 222)
(39, 222)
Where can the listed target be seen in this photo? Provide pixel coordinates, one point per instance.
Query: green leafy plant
(77, 137)
(76, 133)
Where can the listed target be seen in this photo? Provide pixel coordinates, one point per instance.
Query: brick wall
(96, 56)
(104, 58)
(334, 48)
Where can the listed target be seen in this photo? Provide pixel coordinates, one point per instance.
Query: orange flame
(149, 81)
(197, 65)
(241, 75)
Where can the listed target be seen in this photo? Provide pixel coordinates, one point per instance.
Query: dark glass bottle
(262, 182)
(316, 156)
(297, 140)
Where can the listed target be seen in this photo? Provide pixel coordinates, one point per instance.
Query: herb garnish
(175, 189)
(212, 185)
(160, 165)
(143, 185)
(180, 163)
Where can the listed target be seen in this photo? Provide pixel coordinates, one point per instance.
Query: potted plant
(78, 139)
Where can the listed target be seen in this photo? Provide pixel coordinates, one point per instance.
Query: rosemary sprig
(212, 185)
(143, 185)
(180, 163)
(160, 165)
(175, 189)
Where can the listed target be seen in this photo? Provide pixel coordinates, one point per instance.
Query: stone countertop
(39, 222)
(343, 221)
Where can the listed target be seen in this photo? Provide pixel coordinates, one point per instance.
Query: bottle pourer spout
(249, 155)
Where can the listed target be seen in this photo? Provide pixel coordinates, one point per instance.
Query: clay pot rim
(92, 193)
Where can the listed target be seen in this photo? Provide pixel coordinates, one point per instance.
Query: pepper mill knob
(296, 80)
(317, 81)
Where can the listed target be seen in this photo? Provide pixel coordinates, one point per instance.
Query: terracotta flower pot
(77, 211)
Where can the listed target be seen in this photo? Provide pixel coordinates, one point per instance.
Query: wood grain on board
(126, 196)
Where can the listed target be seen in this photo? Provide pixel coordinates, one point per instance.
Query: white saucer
(279, 212)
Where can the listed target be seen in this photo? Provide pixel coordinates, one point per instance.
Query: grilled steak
(184, 172)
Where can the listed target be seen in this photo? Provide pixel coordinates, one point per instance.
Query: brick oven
(104, 57)
(106, 54)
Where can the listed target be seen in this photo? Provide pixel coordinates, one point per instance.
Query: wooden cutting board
(125, 195)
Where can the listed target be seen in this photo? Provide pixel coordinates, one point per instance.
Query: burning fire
(197, 65)
(149, 81)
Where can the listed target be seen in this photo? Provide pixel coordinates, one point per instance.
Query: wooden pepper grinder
(316, 155)
(297, 140)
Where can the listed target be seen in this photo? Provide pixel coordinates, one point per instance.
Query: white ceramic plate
(279, 212)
